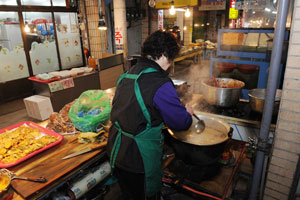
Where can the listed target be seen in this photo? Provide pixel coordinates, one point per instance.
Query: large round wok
(205, 148)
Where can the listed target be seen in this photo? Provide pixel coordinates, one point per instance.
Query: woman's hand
(189, 109)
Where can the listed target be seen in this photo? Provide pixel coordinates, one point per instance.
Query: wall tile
(278, 187)
(279, 179)
(275, 194)
(293, 61)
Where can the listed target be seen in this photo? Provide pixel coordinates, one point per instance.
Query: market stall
(244, 54)
(66, 90)
(50, 165)
(186, 52)
(49, 153)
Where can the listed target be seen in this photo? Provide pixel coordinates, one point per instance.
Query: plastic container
(92, 62)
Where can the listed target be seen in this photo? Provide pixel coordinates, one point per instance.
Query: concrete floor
(15, 111)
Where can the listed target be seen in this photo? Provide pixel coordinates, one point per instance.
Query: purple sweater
(173, 112)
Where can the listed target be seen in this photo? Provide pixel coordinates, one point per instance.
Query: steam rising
(193, 73)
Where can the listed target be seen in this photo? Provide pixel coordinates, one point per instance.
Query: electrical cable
(167, 180)
(201, 193)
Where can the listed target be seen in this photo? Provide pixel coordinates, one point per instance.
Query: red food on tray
(33, 78)
(40, 139)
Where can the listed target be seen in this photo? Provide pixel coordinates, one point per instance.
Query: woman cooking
(144, 100)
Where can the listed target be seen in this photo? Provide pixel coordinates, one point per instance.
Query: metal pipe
(262, 182)
(295, 182)
(282, 10)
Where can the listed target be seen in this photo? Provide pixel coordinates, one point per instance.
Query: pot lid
(215, 132)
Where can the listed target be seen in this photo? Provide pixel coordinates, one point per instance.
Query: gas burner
(241, 110)
(194, 173)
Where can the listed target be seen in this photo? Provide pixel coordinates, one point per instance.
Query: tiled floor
(13, 112)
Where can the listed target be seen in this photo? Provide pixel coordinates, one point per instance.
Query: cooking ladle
(200, 125)
(11, 176)
(215, 80)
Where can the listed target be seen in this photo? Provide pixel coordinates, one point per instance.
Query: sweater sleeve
(173, 112)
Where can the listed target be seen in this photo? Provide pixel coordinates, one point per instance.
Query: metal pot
(257, 100)
(223, 97)
(205, 148)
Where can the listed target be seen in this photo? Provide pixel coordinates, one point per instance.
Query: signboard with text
(67, 83)
(160, 19)
(233, 13)
(212, 5)
(119, 44)
(159, 4)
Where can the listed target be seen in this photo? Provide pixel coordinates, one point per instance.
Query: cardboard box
(109, 77)
(232, 38)
(38, 107)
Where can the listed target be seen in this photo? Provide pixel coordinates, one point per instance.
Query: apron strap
(117, 144)
(126, 75)
(139, 97)
(138, 91)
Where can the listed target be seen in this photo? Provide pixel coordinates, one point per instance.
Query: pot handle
(230, 132)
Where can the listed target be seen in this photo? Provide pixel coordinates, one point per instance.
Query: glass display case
(246, 43)
(244, 54)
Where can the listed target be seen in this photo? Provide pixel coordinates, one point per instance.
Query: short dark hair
(160, 43)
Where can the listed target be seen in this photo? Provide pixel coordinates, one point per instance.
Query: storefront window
(8, 2)
(256, 17)
(11, 47)
(41, 41)
(246, 42)
(68, 40)
(36, 2)
(58, 3)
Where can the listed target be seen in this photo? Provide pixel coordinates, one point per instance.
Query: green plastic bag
(90, 110)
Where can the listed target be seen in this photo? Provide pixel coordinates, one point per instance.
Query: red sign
(119, 38)
(232, 4)
(161, 19)
(67, 83)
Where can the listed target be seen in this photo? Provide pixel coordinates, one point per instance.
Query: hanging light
(151, 3)
(26, 28)
(172, 10)
(101, 23)
(187, 13)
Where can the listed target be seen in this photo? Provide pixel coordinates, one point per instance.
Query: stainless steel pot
(223, 97)
(205, 148)
(257, 100)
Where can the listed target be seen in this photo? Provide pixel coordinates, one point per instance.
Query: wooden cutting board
(49, 164)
